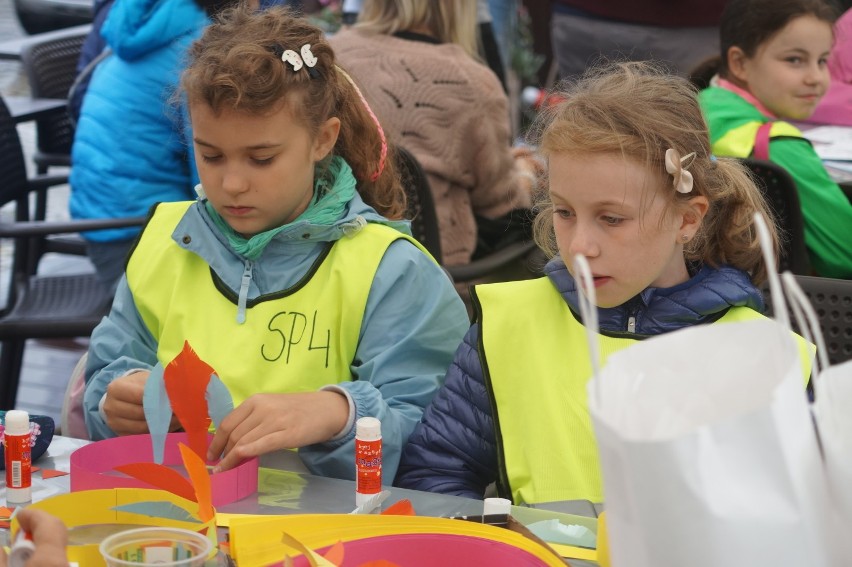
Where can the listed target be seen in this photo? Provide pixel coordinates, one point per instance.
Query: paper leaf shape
(200, 479)
(51, 473)
(186, 379)
(158, 411)
(335, 553)
(160, 476)
(219, 400)
(165, 510)
(401, 508)
(314, 559)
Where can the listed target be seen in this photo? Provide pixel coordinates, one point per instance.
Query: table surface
(24, 108)
(286, 487)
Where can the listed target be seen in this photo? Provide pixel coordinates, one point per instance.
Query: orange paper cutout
(160, 476)
(52, 473)
(401, 508)
(200, 479)
(35, 469)
(335, 553)
(186, 378)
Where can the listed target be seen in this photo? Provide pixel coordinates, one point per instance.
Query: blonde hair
(237, 65)
(451, 21)
(639, 110)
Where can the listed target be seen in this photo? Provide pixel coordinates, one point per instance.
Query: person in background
(130, 149)
(679, 34)
(292, 274)
(773, 68)
(417, 64)
(668, 233)
(90, 55)
(836, 106)
(49, 535)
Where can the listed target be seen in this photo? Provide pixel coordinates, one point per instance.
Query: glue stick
(368, 459)
(18, 457)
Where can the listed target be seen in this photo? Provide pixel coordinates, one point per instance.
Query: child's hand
(123, 404)
(269, 422)
(49, 536)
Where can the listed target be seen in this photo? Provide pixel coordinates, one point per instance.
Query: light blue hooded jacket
(413, 322)
(129, 149)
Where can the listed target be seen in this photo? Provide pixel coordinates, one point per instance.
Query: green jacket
(826, 210)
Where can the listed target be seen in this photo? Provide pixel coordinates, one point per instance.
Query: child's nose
(583, 242)
(234, 182)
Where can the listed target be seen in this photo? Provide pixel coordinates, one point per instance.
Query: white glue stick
(368, 459)
(16, 441)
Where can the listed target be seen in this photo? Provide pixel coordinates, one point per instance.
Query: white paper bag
(832, 410)
(708, 453)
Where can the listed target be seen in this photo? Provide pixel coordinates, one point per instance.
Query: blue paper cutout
(219, 400)
(158, 509)
(158, 411)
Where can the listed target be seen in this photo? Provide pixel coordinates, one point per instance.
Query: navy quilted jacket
(452, 450)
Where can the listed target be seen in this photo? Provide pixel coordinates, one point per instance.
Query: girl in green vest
(292, 275)
(668, 233)
(774, 67)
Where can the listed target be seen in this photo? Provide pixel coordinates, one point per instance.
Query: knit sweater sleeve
(497, 186)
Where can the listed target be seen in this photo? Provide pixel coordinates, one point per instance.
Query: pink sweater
(451, 113)
(836, 106)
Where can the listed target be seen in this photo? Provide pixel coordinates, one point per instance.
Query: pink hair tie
(384, 153)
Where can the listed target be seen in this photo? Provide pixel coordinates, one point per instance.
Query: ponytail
(728, 234)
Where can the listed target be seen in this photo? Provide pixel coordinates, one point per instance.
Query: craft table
(286, 487)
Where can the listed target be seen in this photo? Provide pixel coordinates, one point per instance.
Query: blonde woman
(417, 64)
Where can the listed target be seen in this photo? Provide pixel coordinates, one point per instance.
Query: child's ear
(326, 138)
(737, 60)
(692, 215)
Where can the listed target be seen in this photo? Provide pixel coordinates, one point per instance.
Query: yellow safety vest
(739, 141)
(293, 340)
(536, 366)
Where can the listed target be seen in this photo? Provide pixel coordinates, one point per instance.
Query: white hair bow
(297, 61)
(682, 179)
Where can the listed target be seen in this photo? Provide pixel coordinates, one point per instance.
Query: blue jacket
(129, 149)
(453, 450)
(412, 324)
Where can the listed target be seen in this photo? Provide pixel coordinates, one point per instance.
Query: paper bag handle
(808, 322)
(775, 289)
(589, 313)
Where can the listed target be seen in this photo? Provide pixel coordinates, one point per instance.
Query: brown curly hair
(639, 111)
(236, 65)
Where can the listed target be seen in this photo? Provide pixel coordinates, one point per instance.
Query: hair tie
(681, 178)
(384, 151)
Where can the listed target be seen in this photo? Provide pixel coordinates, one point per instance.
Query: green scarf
(334, 187)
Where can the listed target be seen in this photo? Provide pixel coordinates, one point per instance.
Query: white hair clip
(682, 179)
(298, 61)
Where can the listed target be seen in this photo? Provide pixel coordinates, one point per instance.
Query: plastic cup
(156, 546)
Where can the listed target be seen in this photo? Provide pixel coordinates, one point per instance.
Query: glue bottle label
(368, 462)
(18, 462)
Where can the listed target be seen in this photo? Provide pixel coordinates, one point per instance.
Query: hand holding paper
(269, 422)
(123, 405)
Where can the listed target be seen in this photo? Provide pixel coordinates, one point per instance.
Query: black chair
(51, 67)
(779, 190)
(424, 227)
(39, 306)
(832, 301)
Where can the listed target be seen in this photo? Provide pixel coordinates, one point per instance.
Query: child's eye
(611, 221)
(823, 61)
(563, 213)
(795, 60)
(211, 159)
(263, 161)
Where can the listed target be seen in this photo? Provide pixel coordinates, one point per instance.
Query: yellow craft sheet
(92, 507)
(256, 541)
(573, 552)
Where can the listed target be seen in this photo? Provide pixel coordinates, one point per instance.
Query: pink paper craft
(428, 550)
(92, 467)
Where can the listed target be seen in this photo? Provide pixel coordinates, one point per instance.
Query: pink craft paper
(92, 467)
(428, 550)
